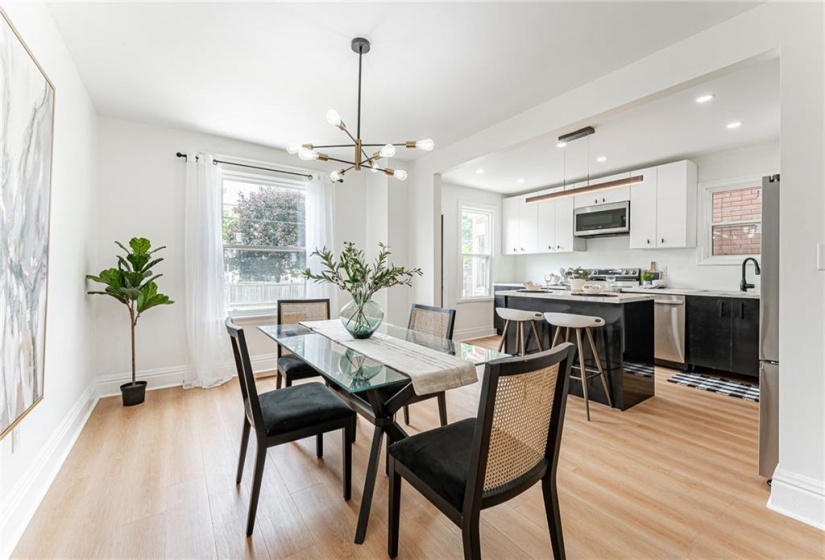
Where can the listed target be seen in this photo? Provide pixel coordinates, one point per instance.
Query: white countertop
(561, 295)
(691, 292)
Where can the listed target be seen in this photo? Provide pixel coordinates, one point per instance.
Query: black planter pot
(133, 394)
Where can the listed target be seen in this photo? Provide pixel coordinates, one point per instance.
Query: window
(476, 252)
(731, 221)
(264, 238)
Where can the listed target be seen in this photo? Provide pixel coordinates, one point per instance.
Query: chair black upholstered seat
(294, 408)
(440, 458)
(295, 368)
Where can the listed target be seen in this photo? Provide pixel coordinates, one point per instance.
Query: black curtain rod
(217, 161)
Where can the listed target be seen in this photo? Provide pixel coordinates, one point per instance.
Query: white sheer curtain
(319, 203)
(209, 358)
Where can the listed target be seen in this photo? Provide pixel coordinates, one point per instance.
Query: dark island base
(627, 355)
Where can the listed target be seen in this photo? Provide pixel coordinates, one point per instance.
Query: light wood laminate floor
(674, 477)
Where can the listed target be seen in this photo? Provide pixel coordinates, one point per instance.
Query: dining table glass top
(354, 372)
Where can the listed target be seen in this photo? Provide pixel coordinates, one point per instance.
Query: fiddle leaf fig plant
(132, 282)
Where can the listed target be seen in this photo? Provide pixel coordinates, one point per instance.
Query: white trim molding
(163, 378)
(462, 335)
(799, 497)
(704, 255)
(22, 502)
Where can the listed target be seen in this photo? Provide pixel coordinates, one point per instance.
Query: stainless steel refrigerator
(769, 330)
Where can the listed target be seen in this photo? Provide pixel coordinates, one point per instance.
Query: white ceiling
(267, 72)
(668, 128)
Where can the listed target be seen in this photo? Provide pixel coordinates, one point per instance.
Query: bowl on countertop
(592, 288)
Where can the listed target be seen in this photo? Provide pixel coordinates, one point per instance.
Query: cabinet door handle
(721, 307)
(648, 241)
(663, 240)
(596, 201)
(604, 200)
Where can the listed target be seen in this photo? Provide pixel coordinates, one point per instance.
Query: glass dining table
(373, 389)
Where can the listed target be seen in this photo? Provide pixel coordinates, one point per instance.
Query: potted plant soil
(132, 283)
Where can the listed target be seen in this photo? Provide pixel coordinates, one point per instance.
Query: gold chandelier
(309, 152)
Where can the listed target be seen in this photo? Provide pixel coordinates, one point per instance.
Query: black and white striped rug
(743, 391)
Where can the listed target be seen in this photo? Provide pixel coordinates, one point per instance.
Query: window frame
(490, 211)
(705, 254)
(266, 179)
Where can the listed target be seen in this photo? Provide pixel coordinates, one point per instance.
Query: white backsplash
(607, 252)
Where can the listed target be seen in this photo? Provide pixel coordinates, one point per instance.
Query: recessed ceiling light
(480, 171)
(520, 180)
(734, 124)
(561, 144)
(705, 98)
(601, 159)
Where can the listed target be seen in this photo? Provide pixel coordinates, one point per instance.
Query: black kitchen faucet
(743, 283)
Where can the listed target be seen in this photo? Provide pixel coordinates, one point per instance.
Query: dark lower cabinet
(723, 334)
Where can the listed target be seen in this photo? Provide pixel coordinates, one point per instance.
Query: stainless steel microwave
(602, 219)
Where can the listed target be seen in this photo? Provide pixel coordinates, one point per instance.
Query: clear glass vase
(361, 319)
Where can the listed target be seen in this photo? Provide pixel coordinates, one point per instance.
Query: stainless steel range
(620, 277)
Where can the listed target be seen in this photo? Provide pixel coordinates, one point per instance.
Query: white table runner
(429, 370)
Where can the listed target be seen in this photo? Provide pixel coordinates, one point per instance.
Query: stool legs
(556, 336)
(536, 335)
(504, 336)
(602, 375)
(521, 338)
(583, 371)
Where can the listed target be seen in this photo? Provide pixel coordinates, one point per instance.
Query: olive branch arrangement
(352, 273)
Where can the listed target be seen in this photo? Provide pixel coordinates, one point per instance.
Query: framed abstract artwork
(26, 137)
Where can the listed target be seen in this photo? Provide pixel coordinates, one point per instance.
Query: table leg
(369, 486)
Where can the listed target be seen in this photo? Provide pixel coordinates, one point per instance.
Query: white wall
(796, 30)
(682, 264)
(26, 472)
(142, 194)
(473, 318)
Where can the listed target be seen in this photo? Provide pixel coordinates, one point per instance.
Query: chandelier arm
(342, 161)
(363, 153)
(384, 144)
(335, 146)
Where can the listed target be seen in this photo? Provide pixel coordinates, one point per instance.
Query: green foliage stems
(132, 283)
(354, 275)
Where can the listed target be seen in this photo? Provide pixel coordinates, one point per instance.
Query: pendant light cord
(360, 56)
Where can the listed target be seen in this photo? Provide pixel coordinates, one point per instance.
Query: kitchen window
(731, 221)
(476, 239)
(264, 241)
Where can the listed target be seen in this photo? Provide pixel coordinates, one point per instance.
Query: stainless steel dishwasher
(669, 325)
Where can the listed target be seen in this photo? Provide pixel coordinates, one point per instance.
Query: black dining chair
(285, 415)
(481, 462)
(438, 322)
(291, 311)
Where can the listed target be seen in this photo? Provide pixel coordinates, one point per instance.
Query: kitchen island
(625, 344)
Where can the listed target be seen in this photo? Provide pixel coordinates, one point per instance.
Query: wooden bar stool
(578, 323)
(518, 316)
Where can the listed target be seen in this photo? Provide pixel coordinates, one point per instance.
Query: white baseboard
(799, 497)
(24, 499)
(162, 378)
(476, 332)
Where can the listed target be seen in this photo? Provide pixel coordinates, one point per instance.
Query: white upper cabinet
(676, 205)
(528, 232)
(565, 240)
(510, 223)
(619, 194)
(543, 227)
(643, 210)
(663, 207)
(547, 226)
